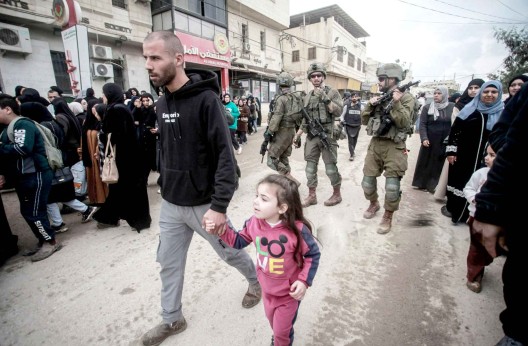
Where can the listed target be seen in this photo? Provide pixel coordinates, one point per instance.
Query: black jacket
(197, 163)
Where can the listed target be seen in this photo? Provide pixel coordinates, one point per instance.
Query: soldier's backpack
(53, 153)
(295, 105)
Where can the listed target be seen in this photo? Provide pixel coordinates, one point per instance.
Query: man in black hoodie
(197, 175)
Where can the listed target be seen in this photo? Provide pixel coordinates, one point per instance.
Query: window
(364, 67)
(340, 53)
(358, 64)
(351, 60)
(312, 53)
(245, 36)
(295, 56)
(262, 40)
(118, 76)
(119, 3)
(58, 60)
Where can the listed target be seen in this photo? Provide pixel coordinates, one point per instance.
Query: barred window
(351, 60)
(295, 56)
(119, 3)
(62, 79)
(312, 53)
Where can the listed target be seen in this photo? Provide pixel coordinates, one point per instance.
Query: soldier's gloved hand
(268, 136)
(325, 99)
(263, 148)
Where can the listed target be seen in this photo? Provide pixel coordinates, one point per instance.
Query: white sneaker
(239, 150)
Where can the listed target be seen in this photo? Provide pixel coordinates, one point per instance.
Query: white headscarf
(435, 106)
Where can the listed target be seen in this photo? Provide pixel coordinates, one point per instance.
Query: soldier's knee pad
(272, 163)
(369, 184)
(311, 168)
(331, 169)
(392, 189)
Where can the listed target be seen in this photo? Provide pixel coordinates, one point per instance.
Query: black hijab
(60, 106)
(465, 98)
(522, 77)
(113, 93)
(32, 95)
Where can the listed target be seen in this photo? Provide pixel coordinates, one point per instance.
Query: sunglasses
(382, 79)
(316, 75)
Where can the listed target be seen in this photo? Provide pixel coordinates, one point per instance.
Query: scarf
(436, 106)
(465, 98)
(493, 110)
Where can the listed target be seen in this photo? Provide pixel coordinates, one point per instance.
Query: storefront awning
(248, 70)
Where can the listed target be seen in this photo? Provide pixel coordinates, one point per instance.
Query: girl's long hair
(288, 193)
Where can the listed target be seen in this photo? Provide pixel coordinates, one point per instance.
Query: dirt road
(403, 288)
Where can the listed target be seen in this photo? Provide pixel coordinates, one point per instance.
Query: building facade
(108, 41)
(330, 36)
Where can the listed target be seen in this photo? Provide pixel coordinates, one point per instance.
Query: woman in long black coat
(435, 124)
(467, 142)
(128, 198)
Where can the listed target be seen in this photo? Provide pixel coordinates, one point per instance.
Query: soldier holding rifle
(323, 106)
(388, 120)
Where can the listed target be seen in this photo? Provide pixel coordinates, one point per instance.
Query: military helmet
(346, 94)
(285, 79)
(316, 67)
(391, 70)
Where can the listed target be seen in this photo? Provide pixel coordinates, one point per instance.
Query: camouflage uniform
(283, 126)
(387, 151)
(313, 148)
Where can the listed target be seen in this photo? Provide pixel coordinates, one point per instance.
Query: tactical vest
(317, 109)
(353, 114)
(398, 135)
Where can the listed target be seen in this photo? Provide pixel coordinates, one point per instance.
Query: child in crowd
(477, 257)
(287, 252)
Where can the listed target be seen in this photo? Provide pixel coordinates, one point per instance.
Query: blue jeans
(54, 211)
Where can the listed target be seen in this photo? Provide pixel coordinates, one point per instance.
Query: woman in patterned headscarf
(467, 141)
(435, 124)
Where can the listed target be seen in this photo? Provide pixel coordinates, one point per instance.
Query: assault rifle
(386, 118)
(316, 129)
(264, 145)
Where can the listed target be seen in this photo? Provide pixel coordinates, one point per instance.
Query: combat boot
(386, 222)
(371, 210)
(289, 176)
(335, 198)
(311, 199)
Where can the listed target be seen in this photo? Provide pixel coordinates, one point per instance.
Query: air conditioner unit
(15, 38)
(100, 52)
(103, 70)
(247, 47)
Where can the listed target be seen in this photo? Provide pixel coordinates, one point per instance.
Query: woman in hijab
(97, 190)
(515, 85)
(78, 110)
(127, 199)
(467, 141)
(72, 131)
(435, 124)
(466, 97)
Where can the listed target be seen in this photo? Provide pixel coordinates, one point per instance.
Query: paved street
(403, 288)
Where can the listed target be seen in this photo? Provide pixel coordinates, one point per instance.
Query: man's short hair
(9, 101)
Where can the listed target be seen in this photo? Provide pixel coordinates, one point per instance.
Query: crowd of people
(186, 136)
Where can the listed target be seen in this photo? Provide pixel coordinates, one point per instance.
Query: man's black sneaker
(60, 228)
(87, 215)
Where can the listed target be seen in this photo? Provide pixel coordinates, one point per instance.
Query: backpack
(53, 153)
(294, 105)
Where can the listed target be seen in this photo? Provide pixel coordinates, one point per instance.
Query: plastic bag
(79, 178)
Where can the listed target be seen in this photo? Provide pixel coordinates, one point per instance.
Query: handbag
(109, 174)
(62, 175)
(79, 178)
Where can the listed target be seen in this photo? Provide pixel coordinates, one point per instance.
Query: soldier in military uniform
(387, 152)
(324, 104)
(281, 127)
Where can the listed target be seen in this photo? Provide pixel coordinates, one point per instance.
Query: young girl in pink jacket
(287, 252)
